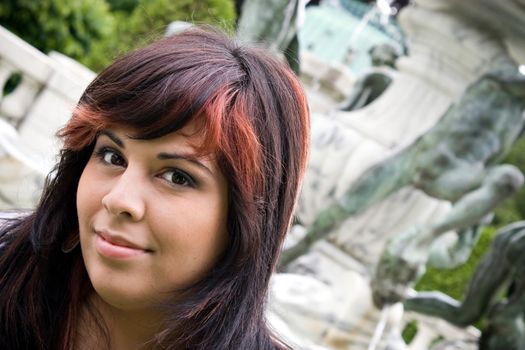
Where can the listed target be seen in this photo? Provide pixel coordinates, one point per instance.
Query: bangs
(87, 123)
(159, 89)
(222, 129)
(166, 94)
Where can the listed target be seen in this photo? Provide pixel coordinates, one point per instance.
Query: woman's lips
(111, 249)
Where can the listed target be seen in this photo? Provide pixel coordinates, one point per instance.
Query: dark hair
(254, 116)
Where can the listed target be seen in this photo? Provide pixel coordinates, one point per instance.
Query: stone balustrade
(45, 89)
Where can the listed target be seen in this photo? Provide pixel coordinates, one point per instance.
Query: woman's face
(152, 216)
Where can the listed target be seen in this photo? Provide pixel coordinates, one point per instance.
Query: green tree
(70, 27)
(94, 32)
(123, 5)
(148, 20)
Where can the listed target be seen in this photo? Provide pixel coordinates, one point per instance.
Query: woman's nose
(125, 199)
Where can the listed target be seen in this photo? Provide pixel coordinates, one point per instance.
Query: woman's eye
(111, 157)
(178, 177)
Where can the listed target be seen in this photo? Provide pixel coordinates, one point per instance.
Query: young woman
(179, 174)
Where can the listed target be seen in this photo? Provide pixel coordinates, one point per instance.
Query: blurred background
(378, 74)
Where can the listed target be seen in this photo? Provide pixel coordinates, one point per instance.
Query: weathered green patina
(457, 160)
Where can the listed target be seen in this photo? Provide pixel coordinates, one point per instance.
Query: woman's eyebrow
(113, 138)
(189, 158)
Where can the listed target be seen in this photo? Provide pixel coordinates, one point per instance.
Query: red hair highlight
(233, 136)
(82, 128)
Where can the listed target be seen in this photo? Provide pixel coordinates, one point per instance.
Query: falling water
(381, 9)
(362, 24)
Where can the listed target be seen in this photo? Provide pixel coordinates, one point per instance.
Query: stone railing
(39, 93)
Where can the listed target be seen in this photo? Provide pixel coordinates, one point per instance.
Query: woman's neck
(126, 330)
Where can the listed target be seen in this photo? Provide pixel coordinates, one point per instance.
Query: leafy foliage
(123, 5)
(409, 332)
(454, 281)
(96, 31)
(70, 27)
(148, 21)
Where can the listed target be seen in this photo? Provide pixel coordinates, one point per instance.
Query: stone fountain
(450, 46)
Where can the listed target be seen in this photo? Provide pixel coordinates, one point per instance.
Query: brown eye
(178, 177)
(111, 157)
